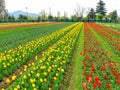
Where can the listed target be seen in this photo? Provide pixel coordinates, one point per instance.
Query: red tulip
(105, 76)
(118, 48)
(84, 63)
(87, 89)
(117, 76)
(94, 86)
(86, 58)
(103, 68)
(96, 43)
(93, 67)
(99, 83)
(117, 81)
(87, 77)
(102, 52)
(84, 84)
(84, 73)
(108, 86)
(90, 79)
(112, 69)
(96, 79)
(90, 74)
(106, 64)
(114, 72)
(84, 51)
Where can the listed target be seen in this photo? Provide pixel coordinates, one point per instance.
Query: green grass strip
(79, 59)
(75, 82)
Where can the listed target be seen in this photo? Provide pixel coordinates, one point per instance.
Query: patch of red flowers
(108, 86)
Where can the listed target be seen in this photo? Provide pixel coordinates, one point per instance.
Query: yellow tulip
(29, 74)
(22, 83)
(33, 85)
(2, 89)
(8, 81)
(45, 79)
(15, 89)
(13, 78)
(45, 73)
(38, 75)
(18, 86)
(62, 70)
(32, 72)
(25, 89)
(32, 63)
(34, 89)
(21, 73)
(4, 66)
(50, 88)
(49, 70)
(24, 77)
(25, 69)
(31, 80)
(55, 78)
(57, 74)
(58, 69)
(41, 80)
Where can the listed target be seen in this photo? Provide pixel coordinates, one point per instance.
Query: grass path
(76, 75)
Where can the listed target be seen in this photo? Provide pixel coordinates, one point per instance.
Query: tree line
(81, 13)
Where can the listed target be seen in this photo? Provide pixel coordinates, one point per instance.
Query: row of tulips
(15, 25)
(47, 72)
(99, 71)
(109, 36)
(12, 38)
(14, 58)
(110, 30)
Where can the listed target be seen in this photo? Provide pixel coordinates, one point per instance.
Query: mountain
(18, 12)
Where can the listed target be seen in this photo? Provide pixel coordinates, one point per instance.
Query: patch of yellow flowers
(51, 66)
(12, 59)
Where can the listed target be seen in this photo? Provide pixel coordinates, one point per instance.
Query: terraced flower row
(14, 58)
(14, 25)
(47, 72)
(99, 71)
(110, 36)
(12, 38)
(42, 63)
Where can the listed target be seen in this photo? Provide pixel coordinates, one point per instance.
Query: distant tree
(109, 15)
(39, 18)
(118, 19)
(55, 18)
(99, 17)
(50, 17)
(100, 9)
(114, 15)
(11, 18)
(74, 17)
(91, 14)
(62, 18)
(43, 15)
(58, 16)
(79, 11)
(65, 16)
(3, 10)
(22, 17)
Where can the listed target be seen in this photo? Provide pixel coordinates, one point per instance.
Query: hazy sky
(36, 6)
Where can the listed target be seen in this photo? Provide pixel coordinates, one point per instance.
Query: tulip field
(59, 56)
